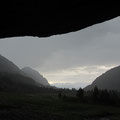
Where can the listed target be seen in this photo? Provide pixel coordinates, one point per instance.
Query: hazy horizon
(70, 60)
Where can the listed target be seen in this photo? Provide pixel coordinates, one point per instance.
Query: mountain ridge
(12, 78)
(30, 72)
(109, 80)
(8, 66)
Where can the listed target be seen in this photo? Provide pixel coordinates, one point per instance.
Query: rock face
(109, 80)
(35, 75)
(39, 18)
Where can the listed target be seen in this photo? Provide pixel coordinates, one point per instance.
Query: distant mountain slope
(14, 79)
(8, 66)
(35, 75)
(17, 83)
(109, 80)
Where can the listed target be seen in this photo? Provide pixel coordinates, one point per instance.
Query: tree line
(95, 96)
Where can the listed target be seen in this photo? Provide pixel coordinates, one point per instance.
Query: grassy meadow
(15, 106)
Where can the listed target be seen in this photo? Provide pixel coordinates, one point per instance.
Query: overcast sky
(69, 60)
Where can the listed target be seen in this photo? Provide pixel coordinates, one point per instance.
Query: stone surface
(46, 18)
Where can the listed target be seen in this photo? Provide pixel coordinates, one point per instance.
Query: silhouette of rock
(35, 75)
(45, 18)
(109, 80)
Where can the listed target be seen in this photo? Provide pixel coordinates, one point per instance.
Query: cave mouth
(44, 19)
(70, 60)
(38, 19)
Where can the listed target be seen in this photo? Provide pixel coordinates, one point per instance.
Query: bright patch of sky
(75, 77)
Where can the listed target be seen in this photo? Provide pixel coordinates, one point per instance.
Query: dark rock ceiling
(43, 19)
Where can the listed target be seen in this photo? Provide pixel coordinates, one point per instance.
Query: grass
(50, 107)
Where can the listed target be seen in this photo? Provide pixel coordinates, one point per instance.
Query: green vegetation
(22, 99)
(62, 105)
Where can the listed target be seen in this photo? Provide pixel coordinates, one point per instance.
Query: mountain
(109, 80)
(8, 66)
(12, 78)
(35, 75)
